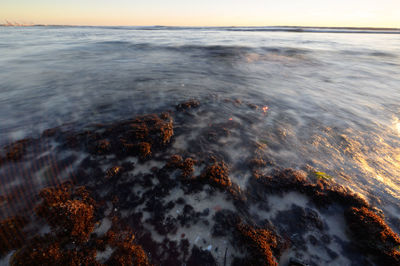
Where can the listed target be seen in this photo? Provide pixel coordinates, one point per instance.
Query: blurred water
(333, 98)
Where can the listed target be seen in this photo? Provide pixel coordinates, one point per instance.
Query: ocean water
(329, 99)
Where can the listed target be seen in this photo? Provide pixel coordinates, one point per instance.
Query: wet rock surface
(188, 105)
(217, 175)
(373, 235)
(164, 190)
(69, 211)
(12, 235)
(260, 243)
(138, 136)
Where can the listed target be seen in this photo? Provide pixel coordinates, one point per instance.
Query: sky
(350, 13)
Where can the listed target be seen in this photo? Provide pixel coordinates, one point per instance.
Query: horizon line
(17, 24)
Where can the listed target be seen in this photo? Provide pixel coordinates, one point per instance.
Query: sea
(326, 99)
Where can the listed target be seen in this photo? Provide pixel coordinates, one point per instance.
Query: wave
(210, 50)
(372, 53)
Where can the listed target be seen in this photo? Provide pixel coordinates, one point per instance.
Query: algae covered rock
(126, 253)
(68, 211)
(372, 235)
(187, 105)
(260, 244)
(137, 136)
(186, 166)
(49, 251)
(217, 174)
(11, 233)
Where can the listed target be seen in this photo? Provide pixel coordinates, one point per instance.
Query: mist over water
(333, 98)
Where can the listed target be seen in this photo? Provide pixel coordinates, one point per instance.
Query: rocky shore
(132, 193)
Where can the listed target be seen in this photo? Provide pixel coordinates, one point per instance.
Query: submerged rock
(48, 251)
(323, 192)
(103, 146)
(12, 235)
(186, 166)
(138, 136)
(225, 223)
(144, 150)
(187, 105)
(15, 151)
(201, 258)
(257, 163)
(70, 213)
(114, 171)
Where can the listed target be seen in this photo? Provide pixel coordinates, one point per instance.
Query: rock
(11, 234)
(16, 150)
(225, 223)
(257, 163)
(175, 161)
(253, 106)
(217, 174)
(48, 251)
(137, 136)
(373, 236)
(323, 192)
(144, 150)
(103, 146)
(67, 215)
(296, 262)
(114, 171)
(70, 211)
(201, 258)
(259, 243)
(188, 105)
(187, 165)
(126, 253)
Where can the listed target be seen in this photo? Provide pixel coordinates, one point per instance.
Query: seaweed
(372, 235)
(217, 174)
(260, 244)
(69, 211)
(322, 175)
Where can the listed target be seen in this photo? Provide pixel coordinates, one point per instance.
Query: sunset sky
(353, 13)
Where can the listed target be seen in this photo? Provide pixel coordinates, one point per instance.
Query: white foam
(6, 259)
(180, 143)
(103, 227)
(145, 168)
(278, 203)
(337, 225)
(198, 234)
(103, 256)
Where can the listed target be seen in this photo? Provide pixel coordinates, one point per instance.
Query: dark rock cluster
(70, 213)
